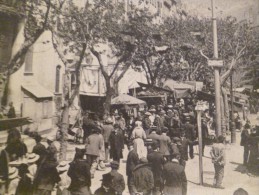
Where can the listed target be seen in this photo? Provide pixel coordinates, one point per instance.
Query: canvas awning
(14, 122)
(37, 90)
(125, 99)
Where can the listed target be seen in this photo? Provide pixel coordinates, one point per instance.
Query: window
(28, 61)
(57, 83)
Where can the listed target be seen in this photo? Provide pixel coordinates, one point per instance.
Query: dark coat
(40, 149)
(154, 137)
(16, 150)
(46, 177)
(101, 191)
(143, 179)
(175, 179)
(157, 161)
(79, 172)
(132, 161)
(118, 183)
(164, 142)
(183, 148)
(244, 138)
(190, 132)
(94, 144)
(116, 143)
(24, 186)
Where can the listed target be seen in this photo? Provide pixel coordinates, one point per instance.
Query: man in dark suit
(117, 182)
(190, 133)
(175, 181)
(116, 143)
(132, 162)
(156, 159)
(143, 179)
(183, 143)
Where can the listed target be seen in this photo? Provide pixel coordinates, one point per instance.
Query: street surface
(236, 175)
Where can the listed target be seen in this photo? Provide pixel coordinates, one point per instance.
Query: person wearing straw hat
(65, 181)
(12, 181)
(32, 158)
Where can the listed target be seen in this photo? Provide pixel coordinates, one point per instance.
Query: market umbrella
(124, 99)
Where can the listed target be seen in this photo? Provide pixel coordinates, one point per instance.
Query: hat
(143, 160)
(169, 111)
(152, 106)
(170, 106)
(32, 157)
(162, 112)
(109, 120)
(176, 139)
(165, 129)
(115, 164)
(12, 172)
(37, 138)
(63, 166)
(153, 128)
(148, 113)
(152, 110)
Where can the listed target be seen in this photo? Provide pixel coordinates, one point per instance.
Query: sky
(234, 8)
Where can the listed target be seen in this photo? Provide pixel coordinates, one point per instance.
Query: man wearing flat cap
(146, 122)
(117, 182)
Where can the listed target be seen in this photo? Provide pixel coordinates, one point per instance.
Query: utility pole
(216, 72)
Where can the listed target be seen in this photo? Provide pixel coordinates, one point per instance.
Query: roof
(37, 90)
(177, 85)
(125, 99)
(14, 122)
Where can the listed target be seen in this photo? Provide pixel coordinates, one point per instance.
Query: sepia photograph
(129, 97)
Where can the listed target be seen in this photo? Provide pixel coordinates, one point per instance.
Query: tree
(37, 15)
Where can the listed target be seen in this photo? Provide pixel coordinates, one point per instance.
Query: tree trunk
(64, 134)
(223, 121)
(226, 106)
(108, 98)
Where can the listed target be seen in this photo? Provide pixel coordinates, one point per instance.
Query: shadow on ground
(204, 184)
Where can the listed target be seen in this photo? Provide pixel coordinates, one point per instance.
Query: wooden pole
(200, 147)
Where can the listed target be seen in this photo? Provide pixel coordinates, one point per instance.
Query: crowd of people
(160, 141)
